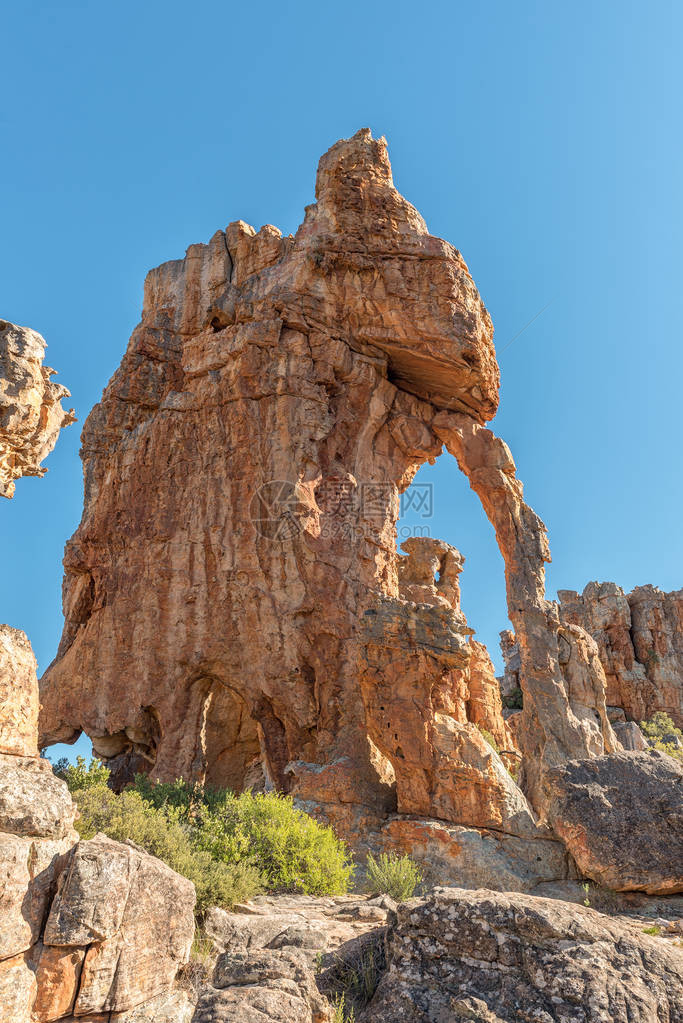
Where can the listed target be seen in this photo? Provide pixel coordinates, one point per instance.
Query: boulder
(621, 818)
(263, 987)
(502, 958)
(134, 914)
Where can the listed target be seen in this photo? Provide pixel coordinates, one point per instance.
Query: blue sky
(543, 140)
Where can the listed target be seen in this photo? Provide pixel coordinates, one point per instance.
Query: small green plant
(490, 739)
(81, 775)
(397, 876)
(514, 700)
(342, 1012)
(654, 930)
(196, 973)
(586, 890)
(351, 979)
(662, 734)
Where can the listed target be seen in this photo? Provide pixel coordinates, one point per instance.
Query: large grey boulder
(507, 958)
(134, 914)
(621, 818)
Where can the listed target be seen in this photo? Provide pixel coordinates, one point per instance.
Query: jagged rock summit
(236, 609)
(31, 413)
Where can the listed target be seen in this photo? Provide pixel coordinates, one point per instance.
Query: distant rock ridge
(31, 414)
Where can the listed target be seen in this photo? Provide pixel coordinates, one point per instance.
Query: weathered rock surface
(640, 643)
(298, 647)
(317, 926)
(236, 610)
(31, 414)
(558, 666)
(18, 694)
(263, 987)
(496, 958)
(95, 928)
(621, 817)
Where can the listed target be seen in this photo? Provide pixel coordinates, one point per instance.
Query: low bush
(662, 734)
(231, 847)
(397, 876)
(81, 775)
(162, 833)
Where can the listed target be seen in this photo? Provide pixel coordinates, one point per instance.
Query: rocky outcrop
(495, 958)
(298, 645)
(236, 610)
(95, 928)
(31, 414)
(621, 817)
(640, 643)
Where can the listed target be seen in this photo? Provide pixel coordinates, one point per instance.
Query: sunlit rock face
(31, 413)
(236, 609)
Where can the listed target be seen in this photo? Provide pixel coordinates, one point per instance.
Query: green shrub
(161, 833)
(397, 876)
(79, 775)
(293, 852)
(231, 847)
(662, 734)
(342, 1012)
(514, 700)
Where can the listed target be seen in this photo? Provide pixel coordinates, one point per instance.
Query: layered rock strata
(94, 929)
(31, 413)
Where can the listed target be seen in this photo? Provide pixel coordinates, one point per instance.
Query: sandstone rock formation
(640, 642)
(621, 817)
(492, 958)
(97, 928)
(236, 610)
(31, 414)
(218, 632)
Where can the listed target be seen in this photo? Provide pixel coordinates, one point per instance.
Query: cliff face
(31, 414)
(640, 643)
(237, 555)
(236, 610)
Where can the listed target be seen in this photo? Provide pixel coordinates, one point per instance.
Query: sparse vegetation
(390, 874)
(514, 700)
(662, 734)
(343, 1013)
(490, 739)
(231, 847)
(655, 930)
(352, 978)
(196, 973)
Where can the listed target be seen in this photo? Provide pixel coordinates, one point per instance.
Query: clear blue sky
(544, 140)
